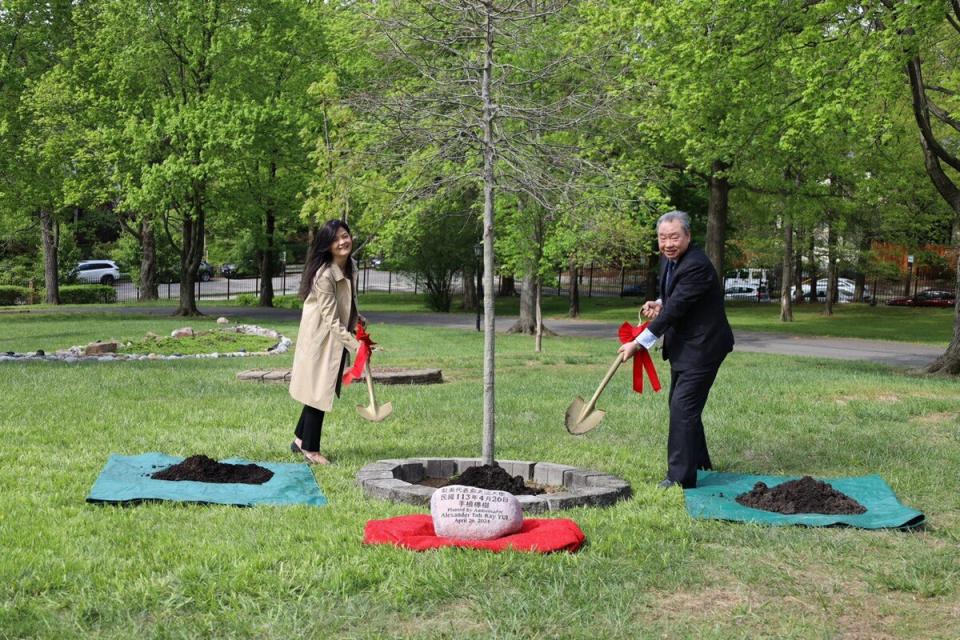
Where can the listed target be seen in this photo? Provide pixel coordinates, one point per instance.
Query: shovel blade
(375, 413)
(577, 423)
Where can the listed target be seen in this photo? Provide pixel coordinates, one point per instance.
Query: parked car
(232, 270)
(755, 293)
(845, 290)
(927, 298)
(205, 271)
(95, 271)
(634, 290)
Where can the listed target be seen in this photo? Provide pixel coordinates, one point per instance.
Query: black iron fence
(592, 281)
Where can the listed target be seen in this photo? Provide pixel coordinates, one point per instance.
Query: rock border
(394, 479)
(76, 353)
(389, 375)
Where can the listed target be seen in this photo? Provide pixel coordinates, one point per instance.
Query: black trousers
(309, 427)
(311, 419)
(687, 443)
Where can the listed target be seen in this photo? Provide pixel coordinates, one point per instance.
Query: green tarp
(126, 479)
(716, 492)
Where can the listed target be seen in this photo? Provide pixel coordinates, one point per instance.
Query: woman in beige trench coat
(326, 333)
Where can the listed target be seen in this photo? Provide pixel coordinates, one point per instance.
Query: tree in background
(929, 34)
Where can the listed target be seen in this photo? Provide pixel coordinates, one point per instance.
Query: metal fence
(593, 281)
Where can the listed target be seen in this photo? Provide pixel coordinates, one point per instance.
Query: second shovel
(373, 412)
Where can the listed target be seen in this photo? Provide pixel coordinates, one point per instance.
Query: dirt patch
(200, 468)
(492, 477)
(806, 495)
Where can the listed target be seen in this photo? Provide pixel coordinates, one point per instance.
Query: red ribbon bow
(363, 355)
(641, 359)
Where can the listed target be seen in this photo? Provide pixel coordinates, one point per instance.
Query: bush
(279, 302)
(10, 295)
(88, 294)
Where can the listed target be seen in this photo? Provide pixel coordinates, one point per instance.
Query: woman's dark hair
(319, 255)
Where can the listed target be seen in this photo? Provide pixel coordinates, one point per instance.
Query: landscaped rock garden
(222, 342)
(547, 486)
(806, 495)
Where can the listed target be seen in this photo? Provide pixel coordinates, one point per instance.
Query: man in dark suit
(690, 318)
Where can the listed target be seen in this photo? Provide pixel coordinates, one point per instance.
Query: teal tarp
(127, 479)
(716, 492)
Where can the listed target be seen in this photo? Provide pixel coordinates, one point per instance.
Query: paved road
(896, 354)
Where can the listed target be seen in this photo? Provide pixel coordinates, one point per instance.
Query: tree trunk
(650, 283)
(538, 316)
(860, 280)
(811, 245)
(574, 292)
(798, 268)
(51, 279)
(786, 302)
(830, 298)
(717, 210)
(148, 260)
(471, 300)
(190, 254)
(527, 323)
(266, 261)
(489, 405)
(508, 286)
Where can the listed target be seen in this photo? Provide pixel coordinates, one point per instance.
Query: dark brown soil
(200, 468)
(495, 477)
(805, 495)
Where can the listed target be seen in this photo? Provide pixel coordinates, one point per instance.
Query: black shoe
(294, 448)
(666, 483)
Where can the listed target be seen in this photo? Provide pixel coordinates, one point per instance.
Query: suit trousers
(687, 443)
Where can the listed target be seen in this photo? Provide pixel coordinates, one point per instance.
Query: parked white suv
(96, 271)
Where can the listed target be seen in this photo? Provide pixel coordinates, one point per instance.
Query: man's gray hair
(676, 215)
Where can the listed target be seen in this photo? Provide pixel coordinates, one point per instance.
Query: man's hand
(628, 349)
(650, 309)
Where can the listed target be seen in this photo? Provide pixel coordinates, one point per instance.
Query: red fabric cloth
(641, 359)
(363, 355)
(415, 532)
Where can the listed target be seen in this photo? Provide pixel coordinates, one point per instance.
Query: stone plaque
(474, 514)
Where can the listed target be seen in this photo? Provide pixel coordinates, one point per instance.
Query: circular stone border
(76, 353)
(392, 375)
(395, 479)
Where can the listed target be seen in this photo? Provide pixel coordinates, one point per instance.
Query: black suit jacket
(692, 322)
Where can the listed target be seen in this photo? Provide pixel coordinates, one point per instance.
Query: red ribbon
(641, 359)
(363, 355)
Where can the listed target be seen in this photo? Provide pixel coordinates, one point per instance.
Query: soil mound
(200, 468)
(495, 477)
(805, 495)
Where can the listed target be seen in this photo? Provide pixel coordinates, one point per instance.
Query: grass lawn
(848, 320)
(163, 570)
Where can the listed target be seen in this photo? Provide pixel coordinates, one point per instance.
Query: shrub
(10, 295)
(279, 302)
(87, 294)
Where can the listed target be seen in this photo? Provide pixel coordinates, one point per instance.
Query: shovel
(583, 417)
(375, 412)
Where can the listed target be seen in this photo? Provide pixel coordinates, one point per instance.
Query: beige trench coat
(324, 331)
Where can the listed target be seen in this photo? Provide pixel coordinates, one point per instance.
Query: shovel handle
(603, 383)
(369, 376)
